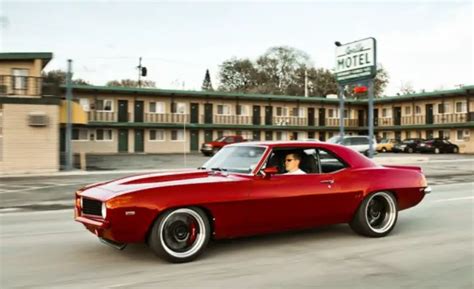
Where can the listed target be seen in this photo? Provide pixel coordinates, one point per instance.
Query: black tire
(376, 215)
(455, 150)
(171, 231)
(437, 151)
(410, 150)
(384, 150)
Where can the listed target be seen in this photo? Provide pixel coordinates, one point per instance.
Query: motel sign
(356, 60)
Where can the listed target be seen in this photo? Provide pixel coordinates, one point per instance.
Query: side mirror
(267, 172)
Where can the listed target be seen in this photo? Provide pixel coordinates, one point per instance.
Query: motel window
(346, 113)
(407, 110)
(223, 109)
(238, 132)
(104, 105)
(297, 111)
(157, 107)
(103, 135)
(177, 135)
(84, 102)
(460, 134)
(331, 113)
(20, 78)
(461, 107)
(384, 112)
(178, 107)
(242, 109)
(157, 135)
(417, 109)
(443, 108)
(281, 111)
(80, 134)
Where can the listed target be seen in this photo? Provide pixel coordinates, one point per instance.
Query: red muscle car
(243, 190)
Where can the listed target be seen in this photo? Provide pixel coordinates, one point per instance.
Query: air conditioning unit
(37, 119)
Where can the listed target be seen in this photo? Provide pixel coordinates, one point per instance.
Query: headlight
(104, 210)
(81, 203)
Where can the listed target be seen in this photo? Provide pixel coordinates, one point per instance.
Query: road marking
(453, 199)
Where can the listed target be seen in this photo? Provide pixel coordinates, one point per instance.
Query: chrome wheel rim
(381, 212)
(182, 233)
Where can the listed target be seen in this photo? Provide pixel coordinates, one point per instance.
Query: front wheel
(455, 150)
(384, 150)
(376, 215)
(180, 235)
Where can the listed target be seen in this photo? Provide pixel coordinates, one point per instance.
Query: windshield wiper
(219, 169)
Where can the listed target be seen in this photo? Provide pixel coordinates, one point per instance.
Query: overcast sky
(426, 43)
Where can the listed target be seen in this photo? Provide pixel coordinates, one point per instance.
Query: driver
(292, 164)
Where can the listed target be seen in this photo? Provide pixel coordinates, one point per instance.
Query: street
(430, 247)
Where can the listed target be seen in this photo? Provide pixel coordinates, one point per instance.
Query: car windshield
(240, 159)
(220, 139)
(335, 139)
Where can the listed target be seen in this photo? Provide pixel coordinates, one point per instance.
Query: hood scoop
(164, 177)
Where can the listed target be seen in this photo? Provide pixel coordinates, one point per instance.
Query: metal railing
(102, 116)
(230, 119)
(166, 118)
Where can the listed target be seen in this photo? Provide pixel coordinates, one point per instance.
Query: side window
(329, 163)
(347, 141)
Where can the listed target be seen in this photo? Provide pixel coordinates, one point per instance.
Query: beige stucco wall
(28, 149)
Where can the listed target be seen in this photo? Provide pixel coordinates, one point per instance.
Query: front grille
(91, 207)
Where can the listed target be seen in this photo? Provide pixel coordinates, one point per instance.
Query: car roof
(350, 156)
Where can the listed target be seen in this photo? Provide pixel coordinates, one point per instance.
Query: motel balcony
(230, 119)
(166, 118)
(348, 122)
(20, 86)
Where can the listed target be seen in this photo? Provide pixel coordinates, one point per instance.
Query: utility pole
(341, 109)
(68, 165)
(306, 83)
(371, 118)
(139, 72)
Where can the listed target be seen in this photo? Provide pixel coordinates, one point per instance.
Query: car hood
(135, 183)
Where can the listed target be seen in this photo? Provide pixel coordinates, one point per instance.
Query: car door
(286, 201)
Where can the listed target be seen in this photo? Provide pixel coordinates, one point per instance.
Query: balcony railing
(348, 122)
(450, 118)
(102, 116)
(11, 85)
(230, 119)
(290, 120)
(166, 117)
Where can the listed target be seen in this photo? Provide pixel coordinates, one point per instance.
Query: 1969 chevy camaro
(243, 190)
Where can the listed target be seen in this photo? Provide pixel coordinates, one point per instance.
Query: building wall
(27, 149)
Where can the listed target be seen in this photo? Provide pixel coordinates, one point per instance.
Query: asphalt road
(431, 247)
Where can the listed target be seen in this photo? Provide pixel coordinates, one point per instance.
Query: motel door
(310, 116)
(194, 113)
(139, 141)
(429, 114)
(268, 115)
(138, 111)
(194, 140)
(208, 113)
(322, 117)
(123, 141)
(123, 111)
(256, 115)
(361, 117)
(397, 117)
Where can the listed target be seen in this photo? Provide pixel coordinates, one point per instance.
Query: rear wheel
(410, 150)
(455, 150)
(180, 235)
(437, 151)
(384, 150)
(376, 215)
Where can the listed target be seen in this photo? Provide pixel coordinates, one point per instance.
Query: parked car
(243, 191)
(358, 143)
(386, 145)
(409, 145)
(211, 148)
(438, 146)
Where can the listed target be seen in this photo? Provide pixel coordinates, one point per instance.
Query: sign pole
(371, 118)
(69, 164)
(341, 109)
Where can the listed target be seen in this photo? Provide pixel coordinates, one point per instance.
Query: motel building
(119, 120)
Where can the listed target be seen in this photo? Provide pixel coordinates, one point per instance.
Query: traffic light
(144, 71)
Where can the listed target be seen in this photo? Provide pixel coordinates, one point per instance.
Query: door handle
(330, 182)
